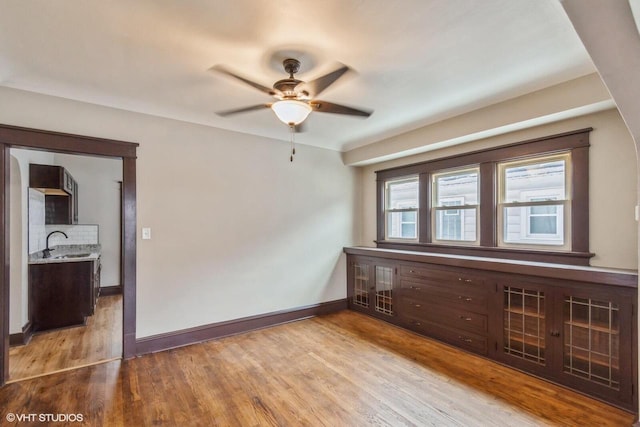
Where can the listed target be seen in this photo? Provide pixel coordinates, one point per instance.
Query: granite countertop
(67, 253)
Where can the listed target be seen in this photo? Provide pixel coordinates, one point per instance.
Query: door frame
(26, 138)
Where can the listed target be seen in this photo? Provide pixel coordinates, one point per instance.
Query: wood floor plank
(343, 369)
(100, 339)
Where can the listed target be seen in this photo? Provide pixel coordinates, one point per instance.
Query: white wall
(99, 203)
(612, 183)
(237, 229)
(19, 238)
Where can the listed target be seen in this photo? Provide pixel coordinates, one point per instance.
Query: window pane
(543, 210)
(535, 182)
(543, 225)
(402, 225)
(458, 224)
(456, 188)
(521, 225)
(402, 194)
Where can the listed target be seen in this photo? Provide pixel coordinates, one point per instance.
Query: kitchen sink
(72, 256)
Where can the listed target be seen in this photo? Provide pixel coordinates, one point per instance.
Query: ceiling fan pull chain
(292, 136)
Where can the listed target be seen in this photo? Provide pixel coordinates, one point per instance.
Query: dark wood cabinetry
(445, 303)
(575, 327)
(60, 190)
(374, 287)
(62, 294)
(579, 334)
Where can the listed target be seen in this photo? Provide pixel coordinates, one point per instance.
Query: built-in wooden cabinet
(60, 190)
(445, 303)
(580, 334)
(573, 326)
(373, 288)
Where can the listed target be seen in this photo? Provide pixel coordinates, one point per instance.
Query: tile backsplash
(78, 234)
(37, 231)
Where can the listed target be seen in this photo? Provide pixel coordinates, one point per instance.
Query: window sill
(567, 258)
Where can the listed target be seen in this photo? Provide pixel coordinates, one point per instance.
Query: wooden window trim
(576, 142)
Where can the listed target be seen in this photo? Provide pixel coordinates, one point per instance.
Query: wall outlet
(637, 213)
(146, 233)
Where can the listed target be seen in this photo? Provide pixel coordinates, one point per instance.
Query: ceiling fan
(295, 99)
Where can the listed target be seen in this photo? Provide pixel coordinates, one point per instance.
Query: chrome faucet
(46, 253)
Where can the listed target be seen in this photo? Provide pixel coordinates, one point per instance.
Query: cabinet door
(58, 209)
(384, 286)
(596, 335)
(359, 283)
(526, 317)
(371, 283)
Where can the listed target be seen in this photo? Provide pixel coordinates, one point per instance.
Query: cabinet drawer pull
(416, 323)
(465, 339)
(466, 319)
(417, 305)
(555, 333)
(415, 288)
(467, 299)
(411, 271)
(460, 279)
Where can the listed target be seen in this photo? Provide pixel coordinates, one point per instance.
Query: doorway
(11, 136)
(43, 339)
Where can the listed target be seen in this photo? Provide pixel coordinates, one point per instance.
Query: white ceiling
(416, 61)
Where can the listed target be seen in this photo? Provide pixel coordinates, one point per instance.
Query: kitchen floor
(60, 350)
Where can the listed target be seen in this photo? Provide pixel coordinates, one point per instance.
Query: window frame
(565, 202)
(388, 184)
(464, 206)
(577, 252)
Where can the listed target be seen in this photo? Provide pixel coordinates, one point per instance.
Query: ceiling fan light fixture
(290, 111)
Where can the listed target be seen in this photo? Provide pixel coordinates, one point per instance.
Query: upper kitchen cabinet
(60, 190)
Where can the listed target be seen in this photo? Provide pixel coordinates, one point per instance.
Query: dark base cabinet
(574, 326)
(61, 294)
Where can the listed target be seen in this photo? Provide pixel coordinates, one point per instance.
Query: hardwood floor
(62, 349)
(343, 369)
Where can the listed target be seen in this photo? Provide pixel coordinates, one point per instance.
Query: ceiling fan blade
(223, 70)
(329, 107)
(315, 87)
(242, 110)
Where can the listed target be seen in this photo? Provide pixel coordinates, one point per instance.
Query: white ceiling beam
(610, 35)
(584, 95)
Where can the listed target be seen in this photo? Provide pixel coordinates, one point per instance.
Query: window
(533, 202)
(524, 201)
(401, 209)
(455, 213)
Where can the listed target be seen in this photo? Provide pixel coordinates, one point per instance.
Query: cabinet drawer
(473, 299)
(463, 339)
(435, 312)
(438, 274)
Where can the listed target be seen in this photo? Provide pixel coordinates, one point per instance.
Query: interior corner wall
(612, 183)
(19, 236)
(237, 229)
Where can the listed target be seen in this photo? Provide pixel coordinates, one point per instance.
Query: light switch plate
(146, 233)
